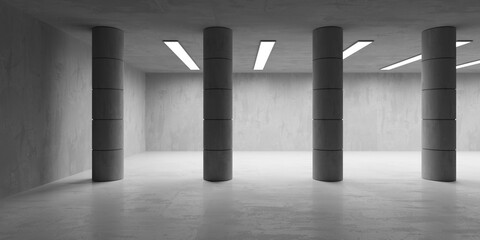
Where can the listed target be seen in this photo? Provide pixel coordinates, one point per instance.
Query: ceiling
(394, 25)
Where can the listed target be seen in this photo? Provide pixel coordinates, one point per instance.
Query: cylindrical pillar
(328, 104)
(439, 104)
(107, 104)
(217, 104)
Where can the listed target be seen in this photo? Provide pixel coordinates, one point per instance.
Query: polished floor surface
(272, 196)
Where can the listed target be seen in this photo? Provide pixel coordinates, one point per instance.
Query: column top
(217, 43)
(327, 27)
(107, 42)
(107, 27)
(327, 42)
(217, 27)
(439, 42)
(439, 27)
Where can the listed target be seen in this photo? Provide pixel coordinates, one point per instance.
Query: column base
(439, 165)
(328, 165)
(217, 165)
(107, 165)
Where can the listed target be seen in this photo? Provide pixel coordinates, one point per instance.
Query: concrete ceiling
(394, 25)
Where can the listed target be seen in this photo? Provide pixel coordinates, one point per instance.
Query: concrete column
(328, 104)
(439, 104)
(217, 104)
(107, 104)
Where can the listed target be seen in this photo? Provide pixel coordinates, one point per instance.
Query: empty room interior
(232, 119)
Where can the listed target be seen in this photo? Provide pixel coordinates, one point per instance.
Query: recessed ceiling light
(264, 51)
(181, 53)
(401, 63)
(459, 43)
(356, 47)
(468, 64)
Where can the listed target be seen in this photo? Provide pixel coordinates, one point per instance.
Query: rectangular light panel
(264, 51)
(404, 62)
(356, 47)
(459, 43)
(468, 64)
(182, 54)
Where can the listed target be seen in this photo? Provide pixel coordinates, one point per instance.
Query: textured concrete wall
(382, 112)
(273, 111)
(45, 104)
(468, 117)
(174, 112)
(134, 111)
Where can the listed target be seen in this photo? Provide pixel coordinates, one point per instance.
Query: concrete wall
(174, 112)
(45, 104)
(382, 112)
(134, 111)
(468, 112)
(273, 111)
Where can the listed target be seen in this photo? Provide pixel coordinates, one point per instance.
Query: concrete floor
(272, 196)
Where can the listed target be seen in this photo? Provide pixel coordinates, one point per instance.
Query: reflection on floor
(272, 196)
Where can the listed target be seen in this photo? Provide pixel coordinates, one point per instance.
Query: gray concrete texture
(107, 103)
(327, 42)
(439, 104)
(217, 43)
(107, 135)
(328, 135)
(46, 104)
(111, 163)
(394, 25)
(107, 130)
(217, 165)
(439, 134)
(439, 74)
(330, 169)
(439, 165)
(274, 112)
(327, 69)
(439, 42)
(217, 74)
(134, 111)
(271, 199)
(107, 42)
(438, 114)
(327, 103)
(109, 70)
(217, 135)
(217, 104)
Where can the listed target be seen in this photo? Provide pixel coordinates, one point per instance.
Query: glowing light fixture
(264, 51)
(468, 64)
(181, 53)
(459, 43)
(356, 47)
(401, 63)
